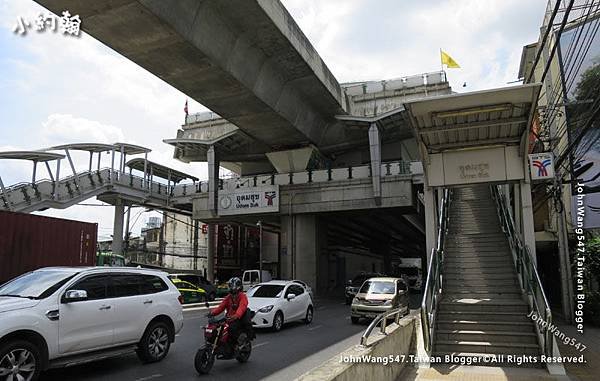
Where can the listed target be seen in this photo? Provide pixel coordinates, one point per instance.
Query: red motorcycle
(218, 346)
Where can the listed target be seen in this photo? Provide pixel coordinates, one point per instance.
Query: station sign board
(541, 166)
(264, 199)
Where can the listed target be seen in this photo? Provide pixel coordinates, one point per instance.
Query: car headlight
(266, 309)
(387, 303)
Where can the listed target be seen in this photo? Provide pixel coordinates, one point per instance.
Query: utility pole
(196, 223)
(161, 240)
(260, 250)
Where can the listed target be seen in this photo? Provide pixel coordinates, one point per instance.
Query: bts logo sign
(541, 166)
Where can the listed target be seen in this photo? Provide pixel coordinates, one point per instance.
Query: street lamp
(260, 251)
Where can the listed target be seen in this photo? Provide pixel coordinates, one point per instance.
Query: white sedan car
(278, 302)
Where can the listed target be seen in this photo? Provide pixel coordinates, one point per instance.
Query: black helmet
(235, 285)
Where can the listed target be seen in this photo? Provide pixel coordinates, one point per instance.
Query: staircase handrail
(526, 270)
(433, 284)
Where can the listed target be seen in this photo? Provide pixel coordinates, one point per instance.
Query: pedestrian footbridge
(108, 184)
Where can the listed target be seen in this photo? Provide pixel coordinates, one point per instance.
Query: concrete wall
(399, 341)
(331, 196)
(179, 240)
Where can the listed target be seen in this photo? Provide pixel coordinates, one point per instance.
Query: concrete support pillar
(213, 180)
(117, 244)
(517, 207)
(211, 252)
(307, 245)
(527, 219)
(375, 150)
(287, 247)
(430, 220)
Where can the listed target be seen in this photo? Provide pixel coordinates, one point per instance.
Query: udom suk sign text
(249, 200)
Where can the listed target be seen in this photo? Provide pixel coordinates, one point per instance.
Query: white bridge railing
(24, 196)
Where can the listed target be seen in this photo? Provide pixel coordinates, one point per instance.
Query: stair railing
(526, 271)
(433, 285)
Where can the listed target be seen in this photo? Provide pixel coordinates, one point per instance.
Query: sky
(57, 89)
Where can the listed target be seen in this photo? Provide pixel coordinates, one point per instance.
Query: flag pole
(442, 64)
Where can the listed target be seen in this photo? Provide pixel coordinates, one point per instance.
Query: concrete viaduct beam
(246, 60)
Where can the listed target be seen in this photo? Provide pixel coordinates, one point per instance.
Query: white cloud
(65, 128)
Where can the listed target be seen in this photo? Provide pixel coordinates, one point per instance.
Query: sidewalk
(590, 370)
(477, 373)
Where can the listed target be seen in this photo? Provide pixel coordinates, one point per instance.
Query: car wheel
(20, 360)
(354, 319)
(309, 315)
(204, 360)
(278, 321)
(155, 343)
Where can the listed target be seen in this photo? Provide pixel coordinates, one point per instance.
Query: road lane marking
(260, 344)
(315, 327)
(149, 377)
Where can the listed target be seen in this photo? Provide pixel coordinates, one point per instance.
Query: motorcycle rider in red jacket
(236, 304)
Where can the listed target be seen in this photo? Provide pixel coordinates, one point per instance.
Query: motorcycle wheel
(244, 348)
(204, 361)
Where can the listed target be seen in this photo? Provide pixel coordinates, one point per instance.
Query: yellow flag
(449, 61)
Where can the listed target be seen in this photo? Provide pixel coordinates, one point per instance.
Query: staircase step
(486, 347)
(492, 325)
(490, 359)
(482, 282)
(456, 288)
(480, 268)
(482, 261)
(483, 305)
(468, 294)
(476, 251)
(471, 276)
(487, 336)
(474, 233)
(502, 316)
(496, 238)
(481, 271)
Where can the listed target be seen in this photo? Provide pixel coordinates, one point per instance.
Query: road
(275, 356)
(284, 355)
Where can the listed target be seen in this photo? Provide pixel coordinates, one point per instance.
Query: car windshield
(36, 284)
(267, 291)
(377, 287)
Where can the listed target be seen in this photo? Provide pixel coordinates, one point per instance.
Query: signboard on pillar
(263, 199)
(541, 166)
(227, 244)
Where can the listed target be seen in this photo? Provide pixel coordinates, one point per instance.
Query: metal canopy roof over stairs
(482, 118)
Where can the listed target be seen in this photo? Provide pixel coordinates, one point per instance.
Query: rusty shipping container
(28, 242)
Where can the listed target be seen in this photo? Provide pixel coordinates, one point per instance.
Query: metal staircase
(482, 310)
(482, 283)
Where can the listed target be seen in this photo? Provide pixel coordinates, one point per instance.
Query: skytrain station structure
(354, 177)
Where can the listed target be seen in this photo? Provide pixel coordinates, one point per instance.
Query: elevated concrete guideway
(247, 60)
